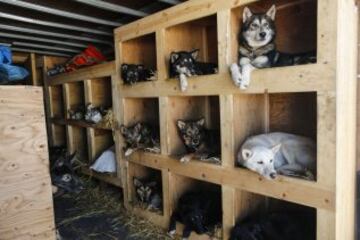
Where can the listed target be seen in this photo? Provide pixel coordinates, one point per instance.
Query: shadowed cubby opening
(78, 143)
(75, 95)
(182, 185)
(143, 110)
(57, 101)
(143, 173)
(249, 204)
(99, 92)
(140, 50)
(296, 24)
(294, 113)
(191, 108)
(197, 34)
(58, 135)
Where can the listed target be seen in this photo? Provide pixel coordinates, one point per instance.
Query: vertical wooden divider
(69, 129)
(90, 132)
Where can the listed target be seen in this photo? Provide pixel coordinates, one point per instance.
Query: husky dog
(148, 192)
(198, 211)
(184, 64)
(199, 142)
(94, 114)
(140, 136)
(77, 114)
(283, 153)
(132, 74)
(258, 49)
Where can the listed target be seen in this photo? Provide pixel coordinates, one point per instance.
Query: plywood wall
(26, 209)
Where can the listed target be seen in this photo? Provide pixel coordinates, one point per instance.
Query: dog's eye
(254, 25)
(266, 24)
(260, 162)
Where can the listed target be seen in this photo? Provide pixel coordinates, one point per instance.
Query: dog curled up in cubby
(258, 50)
(148, 193)
(184, 64)
(199, 211)
(77, 113)
(276, 226)
(200, 143)
(279, 153)
(140, 136)
(134, 73)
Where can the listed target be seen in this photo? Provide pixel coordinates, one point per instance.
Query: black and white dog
(258, 50)
(132, 74)
(185, 64)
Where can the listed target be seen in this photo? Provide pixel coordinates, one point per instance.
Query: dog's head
(132, 135)
(184, 62)
(191, 132)
(258, 29)
(144, 190)
(195, 217)
(131, 73)
(260, 159)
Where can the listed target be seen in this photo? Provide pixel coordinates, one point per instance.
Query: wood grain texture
(26, 209)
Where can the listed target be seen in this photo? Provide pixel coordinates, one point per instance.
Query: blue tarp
(10, 72)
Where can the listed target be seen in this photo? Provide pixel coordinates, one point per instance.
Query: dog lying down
(279, 153)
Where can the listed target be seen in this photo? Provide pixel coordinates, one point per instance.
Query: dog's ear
(181, 125)
(246, 14)
(124, 67)
(195, 54)
(173, 57)
(272, 12)
(138, 127)
(200, 122)
(123, 129)
(276, 148)
(137, 182)
(246, 154)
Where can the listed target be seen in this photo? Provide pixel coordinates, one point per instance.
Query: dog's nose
(273, 175)
(262, 34)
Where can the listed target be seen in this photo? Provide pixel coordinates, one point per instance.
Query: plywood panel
(26, 210)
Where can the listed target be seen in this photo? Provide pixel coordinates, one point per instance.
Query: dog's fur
(77, 113)
(94, 114)
(258, 50)
(200, 143)
(184, 64)
(276, 226)
(132, 74)
(148, 192)
(140, 136)
(198, 211)
(279, 153)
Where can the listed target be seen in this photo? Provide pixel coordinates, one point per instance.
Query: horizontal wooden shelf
(77, 124)
(284, 188)
(108, 178)
(301, 78)
(96, 71)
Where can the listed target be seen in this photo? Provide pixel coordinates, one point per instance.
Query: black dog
(184, 64)
(199, 142)
(198, 211)
(132, 74)
(276, 226)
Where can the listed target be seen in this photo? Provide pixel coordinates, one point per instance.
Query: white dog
(279, 153)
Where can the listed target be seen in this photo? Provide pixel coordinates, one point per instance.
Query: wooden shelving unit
(314, 100)
(70, 90)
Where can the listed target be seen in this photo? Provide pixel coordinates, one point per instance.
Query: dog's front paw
(185, 159)
(183, 82)
(243, 86)
(128, 152)
(235, 74)
(172, 234)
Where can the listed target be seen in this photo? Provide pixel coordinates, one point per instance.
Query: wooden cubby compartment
(182, 185)
(75, 95)
(249, 205)
(143, 173)
(199, 34)
(140, 50)
(78, 143)
(294, 113)
(143, 110)
(58, 135)
(98, 92)
(56, 102)
(296, 24)
(100, 141)
(191, 108)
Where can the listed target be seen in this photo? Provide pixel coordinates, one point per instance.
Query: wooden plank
(25, 195)
(97, 71)
(108, 178)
